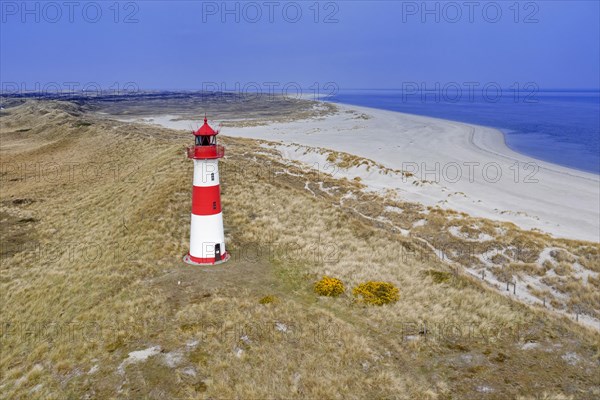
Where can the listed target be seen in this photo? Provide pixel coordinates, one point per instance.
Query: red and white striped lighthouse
(207, 240)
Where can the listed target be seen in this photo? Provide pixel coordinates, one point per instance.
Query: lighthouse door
(218, 252)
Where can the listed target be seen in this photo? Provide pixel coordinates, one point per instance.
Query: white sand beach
(468, 168)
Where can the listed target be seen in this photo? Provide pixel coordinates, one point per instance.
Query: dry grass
(109, 268)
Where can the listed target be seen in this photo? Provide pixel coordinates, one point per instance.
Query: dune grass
(92, 273)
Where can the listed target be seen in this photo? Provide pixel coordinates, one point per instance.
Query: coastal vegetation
(96, 302)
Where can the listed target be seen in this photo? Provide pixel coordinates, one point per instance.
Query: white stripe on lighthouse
(206, 173)
(206, 231)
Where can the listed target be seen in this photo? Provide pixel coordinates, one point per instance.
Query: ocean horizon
(557, 126)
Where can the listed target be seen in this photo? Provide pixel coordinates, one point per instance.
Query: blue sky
(374, 44)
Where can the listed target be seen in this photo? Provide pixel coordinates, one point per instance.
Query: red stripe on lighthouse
(206, 200)
(208, 260)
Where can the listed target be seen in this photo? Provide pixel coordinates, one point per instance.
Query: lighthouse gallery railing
(213, 151)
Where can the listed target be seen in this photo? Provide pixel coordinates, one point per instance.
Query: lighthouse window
(214, 205)
(212, 176)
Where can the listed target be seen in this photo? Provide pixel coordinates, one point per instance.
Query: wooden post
(507, 283)
(514, 287)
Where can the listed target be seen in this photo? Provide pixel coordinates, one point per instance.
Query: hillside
(96, 302)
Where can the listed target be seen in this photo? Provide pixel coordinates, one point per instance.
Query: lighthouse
(207, 240)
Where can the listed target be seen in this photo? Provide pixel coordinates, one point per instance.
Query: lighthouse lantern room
(207, 239)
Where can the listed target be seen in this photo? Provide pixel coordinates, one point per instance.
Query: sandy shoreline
(466, 167)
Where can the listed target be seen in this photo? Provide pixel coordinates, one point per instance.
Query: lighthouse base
(191, 260)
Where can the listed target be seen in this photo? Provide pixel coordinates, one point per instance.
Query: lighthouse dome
(206, 130)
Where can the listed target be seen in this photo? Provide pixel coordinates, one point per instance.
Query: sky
(352, 44)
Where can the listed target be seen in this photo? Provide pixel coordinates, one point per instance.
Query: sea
(558, 126)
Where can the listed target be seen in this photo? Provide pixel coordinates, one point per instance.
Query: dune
(97, 302)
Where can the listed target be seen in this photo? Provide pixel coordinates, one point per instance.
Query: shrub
(562, 256)
(438, 276)
(563, 268)
(377, 293)
(328, 286)
(499, 259)
(268, 299)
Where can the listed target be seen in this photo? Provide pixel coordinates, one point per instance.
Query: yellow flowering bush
(376, 293)
(328, 286)
(268, 299)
